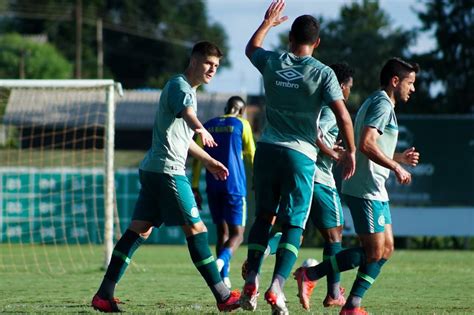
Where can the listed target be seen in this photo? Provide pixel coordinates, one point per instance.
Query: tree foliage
(451, 62)
(144, 41)
(40, 60)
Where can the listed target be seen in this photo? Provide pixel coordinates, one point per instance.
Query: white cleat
(277, 302)
(248, 298)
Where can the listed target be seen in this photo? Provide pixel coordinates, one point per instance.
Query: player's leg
(293, 212)
(328, 217)
(216, 203)
(181, 210)
(267, 196)
(377, 239)
(143, 220)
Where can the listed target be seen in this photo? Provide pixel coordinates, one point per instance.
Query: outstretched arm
(272, 18)
(189, 115)
(368, 146)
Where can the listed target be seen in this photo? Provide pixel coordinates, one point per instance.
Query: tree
(451, 63)
(361, 36)
(24, 58)
(144, 41)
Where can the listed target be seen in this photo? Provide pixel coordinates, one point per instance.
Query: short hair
(305, 30)
(234, 102)
(397, 67)
(343, 72)
(206, 49)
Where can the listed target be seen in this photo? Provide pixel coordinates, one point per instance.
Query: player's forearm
(256, 41)
(189, 116)
(372, 151)
(344, 122)
(198, 153)
(326, 150)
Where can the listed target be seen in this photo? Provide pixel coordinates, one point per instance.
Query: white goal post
(65, 94)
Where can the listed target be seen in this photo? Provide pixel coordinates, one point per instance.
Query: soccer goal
(56, 174)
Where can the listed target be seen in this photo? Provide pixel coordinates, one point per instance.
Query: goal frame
(109, 86)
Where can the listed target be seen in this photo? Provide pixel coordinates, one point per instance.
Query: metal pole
(109, 177)
(100, 50)
(78, 69)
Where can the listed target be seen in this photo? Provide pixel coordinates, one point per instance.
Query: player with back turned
(296, 86)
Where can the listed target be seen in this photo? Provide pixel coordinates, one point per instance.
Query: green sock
(366, 275)
(344, 260)
(123, 251)
(257, 243)
(331, 249)
(287, 252)
(204, 261)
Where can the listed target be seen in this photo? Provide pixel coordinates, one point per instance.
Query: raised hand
(274, 11)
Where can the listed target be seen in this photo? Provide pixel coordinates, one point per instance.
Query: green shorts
(326, 208)
(283, 183)
(167, 199)
(369, 216)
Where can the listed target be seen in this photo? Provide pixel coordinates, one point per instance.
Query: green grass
(162, 280)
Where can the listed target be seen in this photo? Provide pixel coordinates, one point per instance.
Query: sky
(240, 19)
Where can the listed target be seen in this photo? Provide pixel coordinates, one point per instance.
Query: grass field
(162, 280)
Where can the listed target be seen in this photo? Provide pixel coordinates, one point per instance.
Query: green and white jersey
(368, 181)
(295, 90)
(171, 134)
(329, 130)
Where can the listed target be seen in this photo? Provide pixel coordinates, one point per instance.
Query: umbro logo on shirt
(289, 75)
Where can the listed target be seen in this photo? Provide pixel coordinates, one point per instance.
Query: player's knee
(389, 249)
(374, 255)
(142, 228)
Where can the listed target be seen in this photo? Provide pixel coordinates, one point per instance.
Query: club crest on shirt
(194, 212)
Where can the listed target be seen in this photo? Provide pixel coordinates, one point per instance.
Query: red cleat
(277, 302)
(305, 286)
(353, 311)
(231, 303)
(340, 301)
(106, 306)
(248, 299)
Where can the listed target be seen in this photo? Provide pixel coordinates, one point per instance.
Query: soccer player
(165, 196)
(376, 131)
(296, 85)
(326, 210)
(227, 199)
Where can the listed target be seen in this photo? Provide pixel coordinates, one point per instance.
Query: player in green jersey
(165, 196)
(296, 86)
(376, 131)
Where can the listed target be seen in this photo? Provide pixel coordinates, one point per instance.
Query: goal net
(56, 174)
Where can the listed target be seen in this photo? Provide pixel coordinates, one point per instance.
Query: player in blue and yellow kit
(296, 85)
(227, 199)
(165, 195)
(376, 132)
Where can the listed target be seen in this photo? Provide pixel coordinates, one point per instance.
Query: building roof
(86, 108)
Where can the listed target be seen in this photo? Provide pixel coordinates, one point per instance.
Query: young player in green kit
(376, 131)
(165, 196)
(296, 86)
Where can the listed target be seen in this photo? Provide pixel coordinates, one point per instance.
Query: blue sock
(225, 255)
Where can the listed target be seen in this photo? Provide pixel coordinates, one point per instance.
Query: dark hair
(206, 49)
(305, 30)
(397, 67)
(233, 103)
(343, 72)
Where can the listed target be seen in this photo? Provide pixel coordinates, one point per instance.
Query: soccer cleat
(248, 299)
(106, 306)
(231, 303)
(277, 302)
(339, 301)
(305, 286)
(353, 311)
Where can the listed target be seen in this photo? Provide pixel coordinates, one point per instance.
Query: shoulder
(179, 83)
